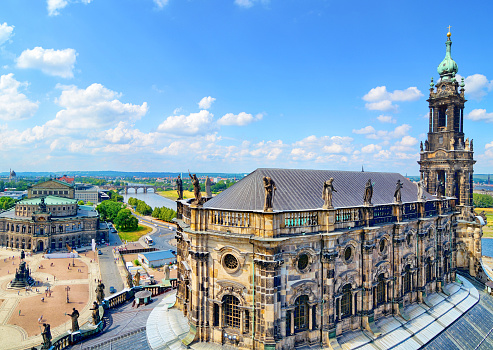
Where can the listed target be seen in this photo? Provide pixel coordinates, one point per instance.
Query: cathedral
(288, 257)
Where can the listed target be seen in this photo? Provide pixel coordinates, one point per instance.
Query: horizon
(149, 85)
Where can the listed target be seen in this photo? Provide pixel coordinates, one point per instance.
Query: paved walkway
(125, 328)
(166, 327)
(14, 337)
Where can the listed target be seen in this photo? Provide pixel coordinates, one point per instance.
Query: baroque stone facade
(50, 219)
(302, 273)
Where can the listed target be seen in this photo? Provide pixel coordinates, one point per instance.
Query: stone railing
(118, 298)
(229, 218)
(285, 223)
(348, 217)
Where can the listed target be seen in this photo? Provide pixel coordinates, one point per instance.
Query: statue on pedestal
(327, 193)
(100, 292)
(368, 193)
(196, 187)
(166, 272)
(75, 320)
(421, 190)
(270, 188)
(95, 313)
(179, 187)
(23, 255)
(137, 279)
(129, 280)
(208, 184)
(397, 192)
(46, 333)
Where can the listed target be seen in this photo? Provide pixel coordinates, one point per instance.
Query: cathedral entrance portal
(40, 246)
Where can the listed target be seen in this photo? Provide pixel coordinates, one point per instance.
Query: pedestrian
(42, 299)
(19, 293)
(19, 312)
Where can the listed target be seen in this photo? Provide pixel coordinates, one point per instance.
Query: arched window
(231, 311)
(17, 228)
(428, 270)
(301, 313)
(23, 229)
(346, 301)
(60, 228)
(407, 280)
(381, 289)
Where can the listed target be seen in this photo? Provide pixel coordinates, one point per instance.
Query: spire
(448, 68)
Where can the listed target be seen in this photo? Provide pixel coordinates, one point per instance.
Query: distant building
(12, 176)
(86, 193)
(50, 218)
(157, 258)
(14, 194)
(67, 179)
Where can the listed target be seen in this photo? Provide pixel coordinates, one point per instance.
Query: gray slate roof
(301, 189)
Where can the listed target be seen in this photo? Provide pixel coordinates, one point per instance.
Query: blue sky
(232, 85)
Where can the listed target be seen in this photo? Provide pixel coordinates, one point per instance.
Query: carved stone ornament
(381, 267)
(233, 288)
(345, 278)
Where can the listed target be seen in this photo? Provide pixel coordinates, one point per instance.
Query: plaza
(21, 309)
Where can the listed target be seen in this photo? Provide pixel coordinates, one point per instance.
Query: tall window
(246, 326)
(231, 311)
(301, 313)
(428, 270)
(288, 322)
(346, 305)
(407, 280)
(381, 289)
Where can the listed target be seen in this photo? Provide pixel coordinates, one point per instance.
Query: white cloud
(93, 108)
(386, 119)
(380, 99)
(240, 119)
(398, 132)
(58, 63)
(54, 6)
(5, 32)
(14, 105)
(366, 130)
(177, 110)
(192, 124)
(250, 3)
(407, 143)
(480, 115)
(206, 102)
(476, 86)
(161, 3)
(244, 3)
(384, 106)
(371, 148)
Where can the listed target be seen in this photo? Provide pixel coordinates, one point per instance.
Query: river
(487, 246)
(152, 199)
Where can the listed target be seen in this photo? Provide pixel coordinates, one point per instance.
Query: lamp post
(67, 288)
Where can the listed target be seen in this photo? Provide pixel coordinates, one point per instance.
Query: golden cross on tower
(449, 28)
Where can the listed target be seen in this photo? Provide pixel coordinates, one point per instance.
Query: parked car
(112, 289)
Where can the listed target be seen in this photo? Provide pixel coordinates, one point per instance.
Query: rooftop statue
(368, 192)
(196, 187)
(100, 292)
(208, 184)
(23, 255)
(46, 333)
(439, 189)
(75, 320)
(327, 193)
(42, 205)
(179, 187)
(137, 279)
(270, 188)
(130, 283)
(95, 313)
(421, 190)
(397, 192)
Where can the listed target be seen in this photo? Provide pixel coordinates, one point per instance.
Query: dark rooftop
(301, 189)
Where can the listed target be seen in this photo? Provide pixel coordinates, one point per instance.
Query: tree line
(117, 213)
(482, 200)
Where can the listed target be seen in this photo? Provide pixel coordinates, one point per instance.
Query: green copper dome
(448, 68)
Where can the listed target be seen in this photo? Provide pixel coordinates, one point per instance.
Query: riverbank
(173, 195)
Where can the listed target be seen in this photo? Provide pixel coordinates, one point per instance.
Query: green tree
(114, 196)
(81, 202)
(156, 212)
(482, 200)
(6, 203)
(109, 210)
(125, 221)
(143, 208)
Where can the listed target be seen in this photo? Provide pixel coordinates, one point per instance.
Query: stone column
(310, 317)
(220, 315)
(292, 322)
(242, 321)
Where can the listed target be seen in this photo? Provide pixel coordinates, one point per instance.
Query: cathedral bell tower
(446, 161)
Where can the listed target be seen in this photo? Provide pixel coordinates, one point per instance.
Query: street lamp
(67, 288)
